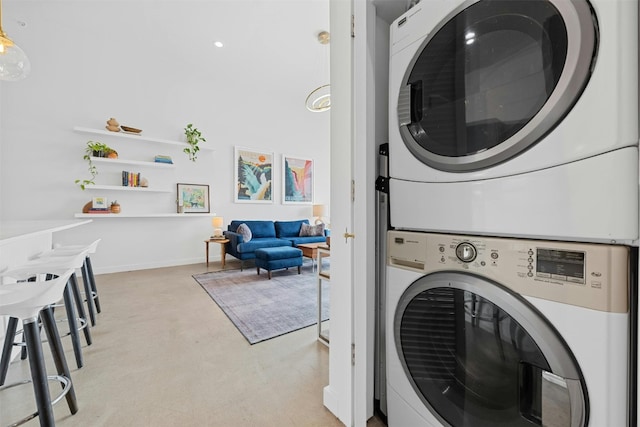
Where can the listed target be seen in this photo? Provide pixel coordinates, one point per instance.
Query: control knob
(466, 252)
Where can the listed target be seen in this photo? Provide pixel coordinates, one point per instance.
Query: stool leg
(73, 325)
(80, 306)
(53, 337)
(91, 308)
(92, 280)
(38, 372)
(12, 327)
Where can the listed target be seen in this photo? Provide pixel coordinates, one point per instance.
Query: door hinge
(353, 354)
(353, 190)
(353, 26)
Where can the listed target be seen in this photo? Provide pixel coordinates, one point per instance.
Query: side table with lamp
(219, 238)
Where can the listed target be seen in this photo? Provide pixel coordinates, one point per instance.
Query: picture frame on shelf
(253, 176)
(297, 180)
(99, 203)
(193, 198)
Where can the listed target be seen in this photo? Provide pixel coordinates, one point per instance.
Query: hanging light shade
(14, 64)
(319, 99)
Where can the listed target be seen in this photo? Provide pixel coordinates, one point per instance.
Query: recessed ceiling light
(218, 44)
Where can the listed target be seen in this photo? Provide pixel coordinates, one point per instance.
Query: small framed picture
(193, 198)
(297, 180)
(253, 176)
(99, 203)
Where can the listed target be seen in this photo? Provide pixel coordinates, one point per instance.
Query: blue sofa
(266, 234)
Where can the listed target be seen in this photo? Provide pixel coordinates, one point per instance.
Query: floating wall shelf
(139, 137)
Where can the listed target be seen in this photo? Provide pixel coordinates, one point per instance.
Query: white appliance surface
(579, 182)
(589, 316)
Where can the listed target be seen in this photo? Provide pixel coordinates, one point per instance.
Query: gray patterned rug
(261, 308)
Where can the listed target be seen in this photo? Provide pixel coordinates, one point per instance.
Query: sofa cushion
(313, 239)
(258, 228)
(289, 228)
(245, 231)
(262, 242)
(311, 230)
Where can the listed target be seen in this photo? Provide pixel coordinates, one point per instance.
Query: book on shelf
(99, 211)
(163, 159)
(130, 179)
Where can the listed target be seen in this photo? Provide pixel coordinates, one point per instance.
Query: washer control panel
(589, 275)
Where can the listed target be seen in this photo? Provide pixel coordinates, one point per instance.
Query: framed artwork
(297, 180)
(193, 198)
(99, 203)
(253, 176)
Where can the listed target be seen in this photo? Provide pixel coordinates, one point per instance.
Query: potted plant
(94, 149)
(194, 137)
(115, 207)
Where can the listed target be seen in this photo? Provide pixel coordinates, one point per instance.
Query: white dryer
(516, 118)
(507, 332)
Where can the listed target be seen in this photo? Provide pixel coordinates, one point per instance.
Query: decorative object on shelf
(217, 222)
(319, 211)
(297, 180)
(14, 64)
(144, 182)
(115, 207)
(253, 176)
(95, 149)
(194, 137)
(319, 99)
(87, 207)
(129, 129)
(194, 198)
(113, 125)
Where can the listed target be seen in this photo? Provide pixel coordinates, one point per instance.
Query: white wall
(152, 65)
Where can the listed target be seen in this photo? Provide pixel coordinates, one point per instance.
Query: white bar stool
(88, 278)
(25, 301)
(51, 266)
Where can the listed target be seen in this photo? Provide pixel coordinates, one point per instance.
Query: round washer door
(493, 79)
(478, 355)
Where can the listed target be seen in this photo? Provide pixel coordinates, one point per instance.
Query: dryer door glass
(493, 79)
(473, 364)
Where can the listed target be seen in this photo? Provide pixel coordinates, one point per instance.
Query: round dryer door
(493, 79)
(478, 355)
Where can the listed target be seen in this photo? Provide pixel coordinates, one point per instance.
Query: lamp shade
(14, 64)
(217, 221)
(319, 210)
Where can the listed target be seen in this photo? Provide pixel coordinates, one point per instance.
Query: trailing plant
(93, 149)
(194, 137)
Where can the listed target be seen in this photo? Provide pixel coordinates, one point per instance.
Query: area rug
(262, 309)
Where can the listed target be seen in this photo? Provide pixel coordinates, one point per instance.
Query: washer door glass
(493, 79)
(474, 364)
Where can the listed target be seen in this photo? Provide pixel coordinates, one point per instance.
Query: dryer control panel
(589, 275)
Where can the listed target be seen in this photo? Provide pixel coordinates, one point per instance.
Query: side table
(223, 250)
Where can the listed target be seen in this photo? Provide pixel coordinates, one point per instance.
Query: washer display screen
(565, 265)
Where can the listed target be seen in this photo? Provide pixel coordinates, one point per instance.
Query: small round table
(223, 251)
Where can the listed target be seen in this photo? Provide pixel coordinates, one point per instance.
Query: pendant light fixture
(319, 99)
(14, 64)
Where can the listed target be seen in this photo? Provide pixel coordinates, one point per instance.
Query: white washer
(506, 332)
(516, 118)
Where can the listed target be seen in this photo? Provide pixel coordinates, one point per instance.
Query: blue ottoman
(277, 258)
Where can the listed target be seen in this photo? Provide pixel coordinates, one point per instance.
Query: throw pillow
(311, 230)
(245, 231)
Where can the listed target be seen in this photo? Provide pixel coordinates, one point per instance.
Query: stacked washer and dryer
(513, 195)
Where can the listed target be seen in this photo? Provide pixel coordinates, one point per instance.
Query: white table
(323, 251)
